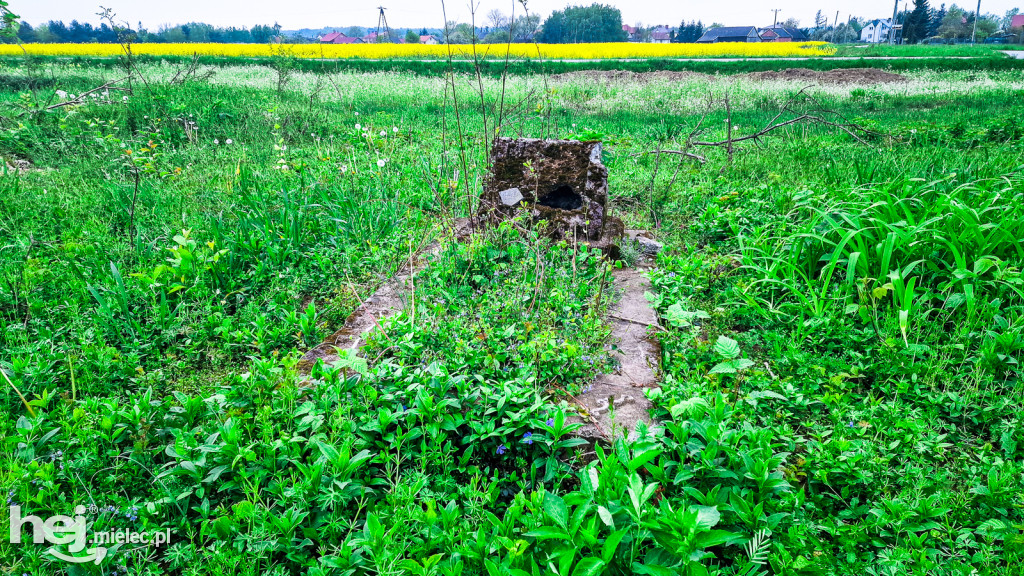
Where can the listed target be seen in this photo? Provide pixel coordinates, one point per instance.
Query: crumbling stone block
(560, 181)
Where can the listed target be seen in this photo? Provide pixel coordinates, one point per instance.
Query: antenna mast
(382, 24)
(776, 10)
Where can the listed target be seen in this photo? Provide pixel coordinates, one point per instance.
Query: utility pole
(892, 29)
(977, 16)
(776, 10)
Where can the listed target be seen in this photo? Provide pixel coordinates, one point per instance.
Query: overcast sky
(294, 14)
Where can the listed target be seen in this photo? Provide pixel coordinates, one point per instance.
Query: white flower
(216, 141)
(62, 94)
(358, 127)
(229, 141)
(344, 168)
(72, 96)
(357, 113)
(395, 129)
(381, 163)
(383, 133)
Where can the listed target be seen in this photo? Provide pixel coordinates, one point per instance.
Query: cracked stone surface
(615, 403)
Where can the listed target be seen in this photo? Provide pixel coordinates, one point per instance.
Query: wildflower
(395, 129)
(358, 127)
(528, 438)
(62, 94)
(501, 449)
(216, 141)
(381, 163)
(383, 133)
(229, 141)
(344, 168)
(124, 98)
(551, 422)
(357, 113)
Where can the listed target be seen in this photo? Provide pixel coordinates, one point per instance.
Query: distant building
(876, 31)
(661, 35)
(339, 38)
(782, 34)
(730, 34)
(428, 40)
(1017, 21)
(632, 32)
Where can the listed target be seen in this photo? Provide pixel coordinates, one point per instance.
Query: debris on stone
(511, 197)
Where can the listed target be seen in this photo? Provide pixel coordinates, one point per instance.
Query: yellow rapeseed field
(381, 51)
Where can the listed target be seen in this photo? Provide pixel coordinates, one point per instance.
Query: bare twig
(81, 97)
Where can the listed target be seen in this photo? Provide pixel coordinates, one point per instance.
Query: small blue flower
(501, 449)
(528, 437)
(850, 425)
(551, 421)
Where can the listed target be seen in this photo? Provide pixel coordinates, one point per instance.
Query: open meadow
(839, 296)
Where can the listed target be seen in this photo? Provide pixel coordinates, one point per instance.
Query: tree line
(57, 32)
(573, 24)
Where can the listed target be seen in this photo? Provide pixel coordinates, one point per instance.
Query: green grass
(934, 60)
(840, 385)
(924, 50)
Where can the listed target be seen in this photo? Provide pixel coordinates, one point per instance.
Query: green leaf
(588, 567)
(548, 533)
(611, 544)
(606, 516)
(689, 407)
(707, 516)
(727, 347)
(555, 508)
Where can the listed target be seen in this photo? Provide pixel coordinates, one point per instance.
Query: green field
(924, 50)
(168, 254)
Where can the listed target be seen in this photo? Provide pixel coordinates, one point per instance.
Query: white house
(876, 31)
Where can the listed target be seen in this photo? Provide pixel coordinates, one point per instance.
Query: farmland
(461, 51)
(174, 243)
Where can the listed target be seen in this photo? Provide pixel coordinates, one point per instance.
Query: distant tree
(26, 33)
(496, 20)
(525, 28)
(915, 28)
(355, 31)
(935, 20)
(458, 33)
(412, 37)
(1008, 18)
(689, 32)
(954, 24)
(579, 24)
(791, 23)
(59, 31)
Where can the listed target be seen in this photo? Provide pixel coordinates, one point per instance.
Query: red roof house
(338, 38)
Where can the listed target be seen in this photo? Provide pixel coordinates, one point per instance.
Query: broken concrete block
(563, 181)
